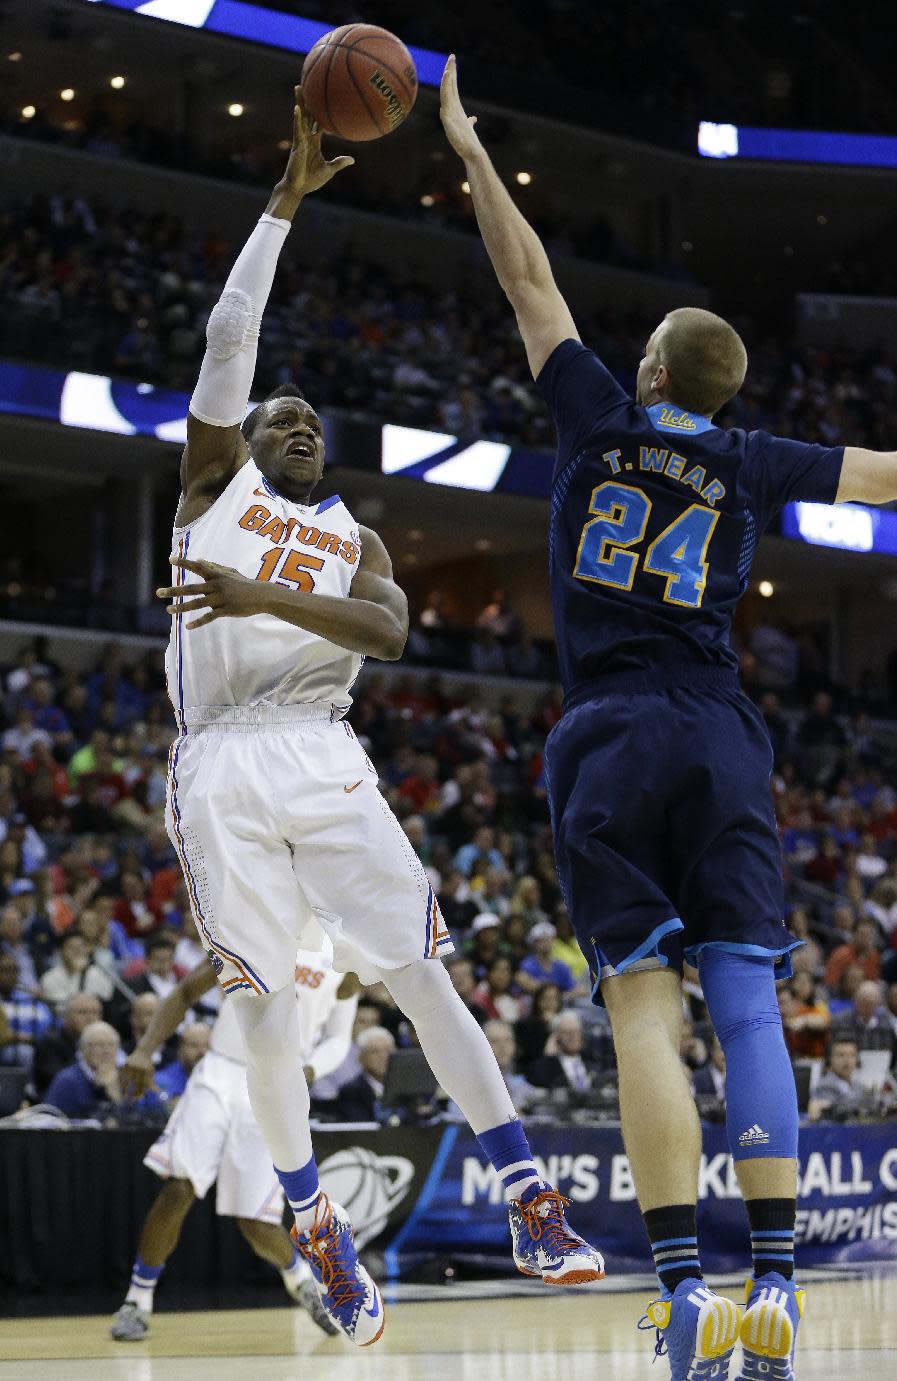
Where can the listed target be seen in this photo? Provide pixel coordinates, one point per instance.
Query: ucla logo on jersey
(666, 417)
(216, 961)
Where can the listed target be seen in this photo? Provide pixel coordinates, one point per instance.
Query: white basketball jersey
(317, 984)
(259, 660)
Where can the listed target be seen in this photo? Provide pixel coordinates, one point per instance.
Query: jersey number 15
(679, 554)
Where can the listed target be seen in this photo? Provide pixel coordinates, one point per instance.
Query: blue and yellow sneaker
(348, 1294)
(544, 1243)
(696, 1329)
(775, 1307)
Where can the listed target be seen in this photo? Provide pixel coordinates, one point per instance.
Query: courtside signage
(238, 19)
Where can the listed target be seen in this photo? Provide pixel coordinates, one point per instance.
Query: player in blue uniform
(659, 769)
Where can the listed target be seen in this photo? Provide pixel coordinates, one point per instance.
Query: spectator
(807, 1020)
(132, 909)
(171, 1079)
(499, 618)
(141, 1013)
(84, 1088)
(527, 901)
(73, 973)
(157, 973)
(540, 967)
(881, 906)
(868, 1023)
(481, 850)
(532, 1031)
(11, 942)
(29, 1019)
(500, 1036)
(861, 951)
(710, 1080)
(562, 1065)
(458, 906)
(497, 995)
(484, 943)
(839, 1093)
(359, 1100)
(59, 1047)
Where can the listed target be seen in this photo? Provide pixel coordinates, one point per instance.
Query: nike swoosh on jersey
(349, 789)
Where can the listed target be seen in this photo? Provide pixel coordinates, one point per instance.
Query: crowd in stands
(657, 79)
(92, 287)
(95, 927)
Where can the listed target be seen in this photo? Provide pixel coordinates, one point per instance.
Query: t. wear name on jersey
(659, 461)
(263, 523)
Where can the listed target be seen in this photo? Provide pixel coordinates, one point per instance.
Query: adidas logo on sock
(754, 1136)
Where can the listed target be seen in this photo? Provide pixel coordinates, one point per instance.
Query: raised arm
(215, 449)
(515, 249)
(374, 620)
(868, 476)
(137, 1071)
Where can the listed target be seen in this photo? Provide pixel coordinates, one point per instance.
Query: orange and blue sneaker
(544, 1243)
(349, 1295)
(696, 1331)
(774, 1310)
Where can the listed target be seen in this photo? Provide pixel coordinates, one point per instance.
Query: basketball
(359, 82)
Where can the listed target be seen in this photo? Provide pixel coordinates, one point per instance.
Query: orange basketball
(359, 82)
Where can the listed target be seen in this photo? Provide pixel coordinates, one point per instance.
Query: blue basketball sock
(507, 1150)
(761, 1099)
(302, 1190)
(144, 1280)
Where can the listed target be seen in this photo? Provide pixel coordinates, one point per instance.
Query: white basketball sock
(456, 1049)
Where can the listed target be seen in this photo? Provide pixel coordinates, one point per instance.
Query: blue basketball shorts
(664, 830)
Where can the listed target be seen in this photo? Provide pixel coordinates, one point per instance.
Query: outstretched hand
(307, 168)
(223, 592)
(458, 125)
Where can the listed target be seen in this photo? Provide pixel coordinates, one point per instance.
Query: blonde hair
(704, 357)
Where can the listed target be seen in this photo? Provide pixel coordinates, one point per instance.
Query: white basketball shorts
(275, 814)
(212, 1136)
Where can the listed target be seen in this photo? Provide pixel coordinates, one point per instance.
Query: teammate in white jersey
(213, 1138)
(273, 805)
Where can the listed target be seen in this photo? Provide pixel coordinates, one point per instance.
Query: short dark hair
(161, 939)
(251, 421)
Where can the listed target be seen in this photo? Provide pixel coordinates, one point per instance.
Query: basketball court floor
(454, 1333)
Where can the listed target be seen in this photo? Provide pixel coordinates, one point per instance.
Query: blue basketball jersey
(655, 516)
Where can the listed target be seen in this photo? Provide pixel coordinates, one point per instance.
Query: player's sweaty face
(288, 447)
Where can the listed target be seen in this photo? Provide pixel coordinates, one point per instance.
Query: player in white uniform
(272, 803)
(213, 1138)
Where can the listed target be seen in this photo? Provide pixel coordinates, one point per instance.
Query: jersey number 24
(679, 554)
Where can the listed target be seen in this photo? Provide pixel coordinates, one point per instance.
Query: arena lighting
(766, 589)
(67, 93)
(28, 112)
(116, 83)
(465, 188)
(239, 19)
(524, 179)
(235, 109)
(796, 145)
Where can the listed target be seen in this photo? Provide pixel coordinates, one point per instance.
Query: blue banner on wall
(453, 1205)
(239, 19)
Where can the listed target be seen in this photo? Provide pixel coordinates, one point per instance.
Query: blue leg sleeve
(761, 1099)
